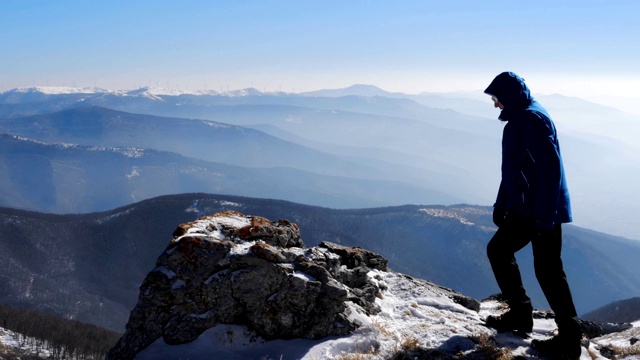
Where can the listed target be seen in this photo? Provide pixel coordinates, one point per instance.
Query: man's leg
(547, 249)
(509, 239)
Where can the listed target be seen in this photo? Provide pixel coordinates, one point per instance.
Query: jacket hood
(511, 91)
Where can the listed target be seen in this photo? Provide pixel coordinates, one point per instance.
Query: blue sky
(580, 48)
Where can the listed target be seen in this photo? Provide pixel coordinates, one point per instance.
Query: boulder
(237, 269)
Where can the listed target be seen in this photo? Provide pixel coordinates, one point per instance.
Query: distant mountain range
(402, 176)
(88, 266)
(378, 148)
(64, 178)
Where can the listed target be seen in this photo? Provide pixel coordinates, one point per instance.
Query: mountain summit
(353, 90)
(234, 286)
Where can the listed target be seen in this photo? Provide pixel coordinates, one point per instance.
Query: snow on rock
(410, 310)
(231, 286)
(229, 268)
(628, 340)
(414, 314)
(212, 227)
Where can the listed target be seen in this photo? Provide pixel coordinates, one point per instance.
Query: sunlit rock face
(237, 269)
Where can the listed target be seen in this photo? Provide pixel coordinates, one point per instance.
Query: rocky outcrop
(237, 269)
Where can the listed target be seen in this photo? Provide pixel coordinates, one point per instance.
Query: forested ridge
(61, 338)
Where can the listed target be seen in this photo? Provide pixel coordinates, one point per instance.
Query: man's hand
(498, 217)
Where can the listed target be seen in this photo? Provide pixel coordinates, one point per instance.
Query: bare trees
(61, 338)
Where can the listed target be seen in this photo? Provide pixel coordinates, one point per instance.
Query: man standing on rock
(532, 203)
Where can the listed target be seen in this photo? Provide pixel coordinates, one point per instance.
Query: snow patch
(134, 173)
(128, 152)
(303, 276)
(215, 124)
(241, 249)
(230, 203)
(212, 227)
(178, 284)
(409, 313)
(447, 214)
(27, 345)
(170, 274)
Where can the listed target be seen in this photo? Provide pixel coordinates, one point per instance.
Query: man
(532, 203)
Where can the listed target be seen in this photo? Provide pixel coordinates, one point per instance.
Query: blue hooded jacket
(533, 179)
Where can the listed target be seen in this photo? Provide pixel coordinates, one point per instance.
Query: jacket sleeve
(545, 153)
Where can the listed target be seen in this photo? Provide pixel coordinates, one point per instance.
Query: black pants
(515, 234)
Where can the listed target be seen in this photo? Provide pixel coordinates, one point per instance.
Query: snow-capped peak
(59, 90)
(145, 91)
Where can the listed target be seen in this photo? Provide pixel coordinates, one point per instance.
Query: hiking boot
(518, 321)
(559, 347)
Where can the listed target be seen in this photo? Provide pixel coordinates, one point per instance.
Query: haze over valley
(348, 148)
